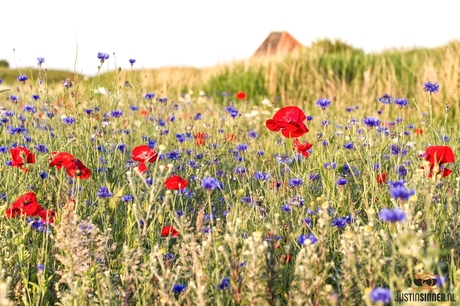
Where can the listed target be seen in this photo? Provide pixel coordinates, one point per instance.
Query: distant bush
(4, 63)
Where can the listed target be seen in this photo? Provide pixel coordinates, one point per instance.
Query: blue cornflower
(18, 130)
(35, 97)
(253, 134)
(162, 100)
(180, 137)
(349, 109)
(149, 96)
(127, 198)
(43, 175)
(9, 113)
(371, 121)
(40, 61)
(339, 222)
(240, 170)
(104, 193)
(68, 120)
(402, 171)
(401, 192)
(295, 182)
(40, 268)
(401, 102)
(22, 78)
(116, 113)
(323, 103)
(283, 159)
(3, 196)
(286, 208)
(41, 148)
(313, 177)
(132, 61)
(341, 181)
(133, 108)
(174, 154)
(210, 183)
(309, 118)
(302, 239)
(198, 116)
(242, 147)
(392, 215)
(178, 288)
(431, 87)
(29, 108)
(349, 146)
(382, 295)
(307, 221)
(325, 122)
(385, 99)
(102, 56)
(1, 80)
(3, 149)
(225, 283)
(67, 83)
(14, 98)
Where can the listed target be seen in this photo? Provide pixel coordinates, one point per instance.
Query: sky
(203, 33)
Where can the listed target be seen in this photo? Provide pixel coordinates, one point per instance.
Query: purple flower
(41, 148)
(116, 113)
(178, 288)
(286, 208)
(68, 120)
(385, 99)
(198, 116)
(40, 61)
(431, 87)
(225, 283)
(295, 182)
(35, 97)
(22, 78)
(380, 294)
(371, 121)
(210, 183)
(339, 222)
(349, 146)
(102, 56)
(401, 102)
(30, 108)
(341, 181)
(14, 99)
(149, 96)
(104, 192)
(67, 83)
(253, 134)
(132, 61)
(127, 198)
(323, 103)
(302, 239)
(392, 215)
(401, 192)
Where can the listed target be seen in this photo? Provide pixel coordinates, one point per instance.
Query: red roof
(277, 43)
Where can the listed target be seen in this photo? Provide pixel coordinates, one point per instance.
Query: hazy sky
(205, 32)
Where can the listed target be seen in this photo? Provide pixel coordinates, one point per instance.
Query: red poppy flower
(418, 131)
(302, 148)
(75, 168)
(175, 182)
(200, 138)
(47, 215)
(169, 230)
(382, 178)
(241, 95)
(21, 156)
(288, 120)
(437, 156)
(59, 159)
(144, 154)
(230, 137)
(24, 205)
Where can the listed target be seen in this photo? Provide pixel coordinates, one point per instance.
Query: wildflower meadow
(116, 191)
